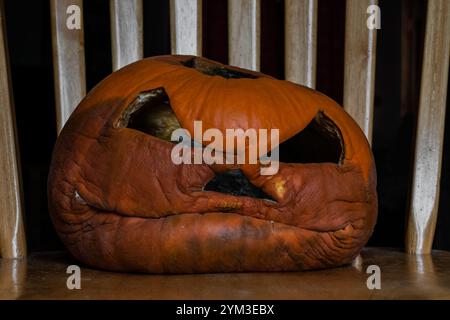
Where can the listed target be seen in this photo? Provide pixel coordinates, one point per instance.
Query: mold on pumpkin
(118, 202)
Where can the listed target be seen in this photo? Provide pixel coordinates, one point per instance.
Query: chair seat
(403, 276)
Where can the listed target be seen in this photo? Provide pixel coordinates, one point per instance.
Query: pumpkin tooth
(280, 188)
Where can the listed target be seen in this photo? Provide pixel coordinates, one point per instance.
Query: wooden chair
(417, 273)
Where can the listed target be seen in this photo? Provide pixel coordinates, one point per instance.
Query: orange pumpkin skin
(119, 203)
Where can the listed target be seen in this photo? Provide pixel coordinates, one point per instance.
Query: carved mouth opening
(234, 182)
(152, 114)
(213, 69)
(321, 141)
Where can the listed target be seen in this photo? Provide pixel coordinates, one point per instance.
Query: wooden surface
(403, 276)
(68, 60)
(244, 33)
(186, 27)
(430, 129)
(300, 41)
(126, 32)
(13, 273)
(12, 237)
(359, 68)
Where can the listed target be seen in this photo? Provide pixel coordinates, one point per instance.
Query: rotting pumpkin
(119, 203)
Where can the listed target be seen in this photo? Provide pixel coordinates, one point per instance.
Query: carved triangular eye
(321, 141)
(152, 114)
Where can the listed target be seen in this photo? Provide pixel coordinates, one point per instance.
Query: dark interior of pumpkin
(320, 141)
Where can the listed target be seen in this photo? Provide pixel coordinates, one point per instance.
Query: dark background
(399, 48)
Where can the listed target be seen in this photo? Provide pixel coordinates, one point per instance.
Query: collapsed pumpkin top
(198, 88)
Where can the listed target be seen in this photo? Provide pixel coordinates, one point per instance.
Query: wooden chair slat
(68, 59)
(12, 235)
(244, 33)
(359, 68)
(186, 27)
(430, 129)
(300, 41)
(126, 32)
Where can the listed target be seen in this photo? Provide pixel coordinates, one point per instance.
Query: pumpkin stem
(212, 69)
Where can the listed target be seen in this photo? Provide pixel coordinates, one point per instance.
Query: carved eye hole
(320, 141)
(152, 114)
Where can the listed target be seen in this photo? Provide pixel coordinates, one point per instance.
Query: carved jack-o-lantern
(119, 202)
